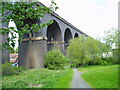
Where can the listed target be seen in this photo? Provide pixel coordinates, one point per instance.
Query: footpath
(78, 81)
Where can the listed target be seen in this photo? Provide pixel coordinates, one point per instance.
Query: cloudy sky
(91, 16)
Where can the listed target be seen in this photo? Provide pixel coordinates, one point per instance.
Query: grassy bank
(101, 76)
(39, 78)
(65, 80)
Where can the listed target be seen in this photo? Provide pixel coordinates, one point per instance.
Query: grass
(65, 80)
(39, 78)
(101, 76)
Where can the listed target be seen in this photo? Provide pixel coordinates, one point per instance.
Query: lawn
(39, 78)
(101, 76)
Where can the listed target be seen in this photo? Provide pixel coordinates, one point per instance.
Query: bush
(73, 65)
(103, 62)
(82, 50)
(7, 69)
(108, 59)
(94, 62)
(55, 60)
(110, 63)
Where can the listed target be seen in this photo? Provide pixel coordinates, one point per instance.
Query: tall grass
(39, 78)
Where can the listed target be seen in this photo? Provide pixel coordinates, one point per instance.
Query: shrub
(55, 60)
(7, 69)
(94, 62)
(110, 63)
(75, 63)
(108, 59)
(82, 50)
(103, 62)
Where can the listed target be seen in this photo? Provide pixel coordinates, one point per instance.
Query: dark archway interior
(76, 35)
(67, 37)
(53, 34)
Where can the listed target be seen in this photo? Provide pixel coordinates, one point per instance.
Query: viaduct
(31, 53)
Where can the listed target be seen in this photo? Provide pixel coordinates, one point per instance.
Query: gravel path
(78, 81)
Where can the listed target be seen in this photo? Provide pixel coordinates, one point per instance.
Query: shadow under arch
(67, 37)
(54, 35)
(76, 35)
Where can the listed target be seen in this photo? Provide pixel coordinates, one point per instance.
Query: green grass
(101, 76)
(39, 78)
(65, 80)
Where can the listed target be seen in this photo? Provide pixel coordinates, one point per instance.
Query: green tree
(13, 50)
(111, 39)
(25, 15)
(82, 50)
(105, 46)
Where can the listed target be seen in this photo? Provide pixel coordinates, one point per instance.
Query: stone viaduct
(32, 50)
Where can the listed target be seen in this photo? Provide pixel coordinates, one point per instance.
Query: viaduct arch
(31, 53)
(67, 37)
(76, 35)
(53, 34)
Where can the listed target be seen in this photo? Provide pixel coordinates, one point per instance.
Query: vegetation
(88, 51)
(8, 69)
(81, 51)
(13, 50)
(56, 60)
(65, 81)
(39, 78)
(26, 16)
(111, 39)
(101, 76)
(85, 50)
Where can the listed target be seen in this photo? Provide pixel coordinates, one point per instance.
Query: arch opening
(76, 35)
(67, 37)
(53, 35)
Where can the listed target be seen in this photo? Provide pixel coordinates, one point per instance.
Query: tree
(111, 40)
(13, 50)
(82, 50)
(25, 15)
(111, 37)
(103, 48)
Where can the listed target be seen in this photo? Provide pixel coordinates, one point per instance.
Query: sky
(90, 16)
(93, 17)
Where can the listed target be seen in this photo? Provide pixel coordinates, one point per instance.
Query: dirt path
(78, 81)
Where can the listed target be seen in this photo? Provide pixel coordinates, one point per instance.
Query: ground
(96, 76)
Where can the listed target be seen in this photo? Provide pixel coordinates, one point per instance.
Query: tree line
(88, 51)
